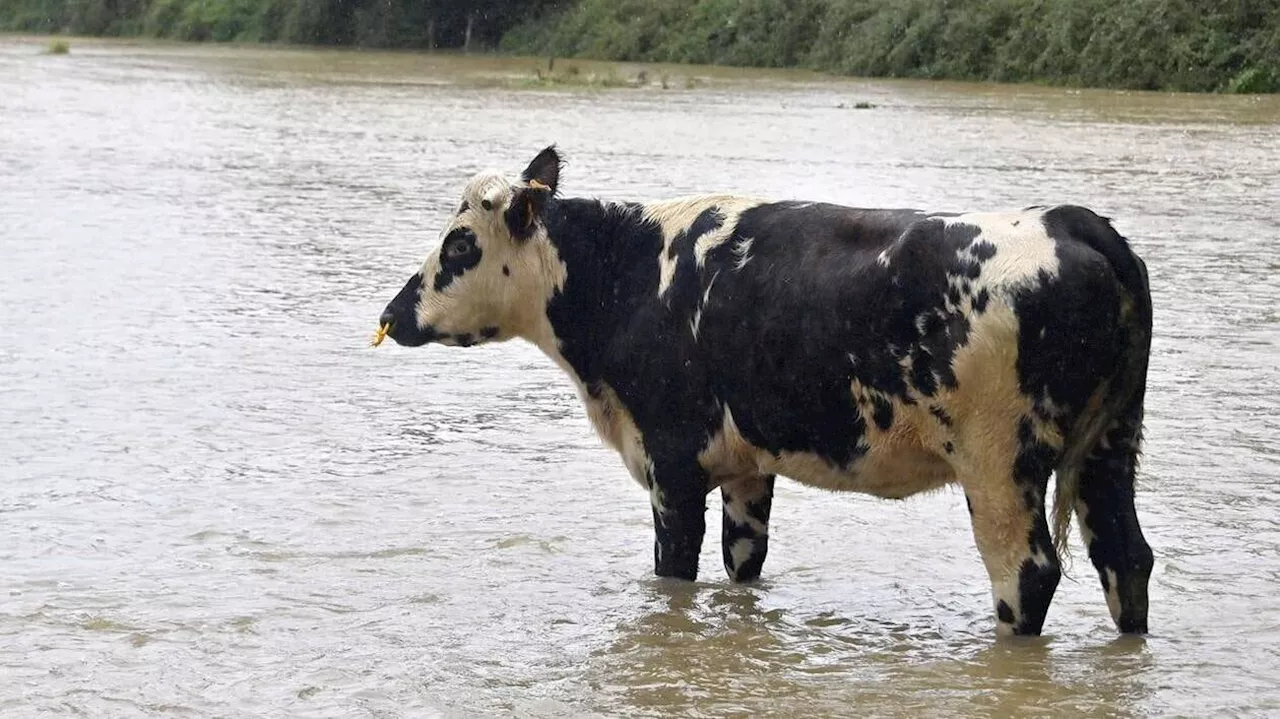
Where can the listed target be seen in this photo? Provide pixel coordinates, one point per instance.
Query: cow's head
(494, 270)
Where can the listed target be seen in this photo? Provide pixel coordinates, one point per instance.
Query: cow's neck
(603, 246)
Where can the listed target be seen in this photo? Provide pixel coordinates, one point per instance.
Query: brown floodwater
(217, 500)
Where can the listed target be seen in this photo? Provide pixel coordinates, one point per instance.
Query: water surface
(216, 500)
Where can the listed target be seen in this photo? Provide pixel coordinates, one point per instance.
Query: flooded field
(217, 500)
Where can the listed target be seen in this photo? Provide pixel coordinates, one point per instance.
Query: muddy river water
(217, 500)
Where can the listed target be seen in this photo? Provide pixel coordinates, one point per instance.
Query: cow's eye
(486, 204)
(456, 248)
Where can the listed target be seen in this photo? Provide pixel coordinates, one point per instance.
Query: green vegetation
(58, 47)
(1190, 45)
(362, 23)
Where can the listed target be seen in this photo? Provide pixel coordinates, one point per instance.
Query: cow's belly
(896, 464)
(893, 474)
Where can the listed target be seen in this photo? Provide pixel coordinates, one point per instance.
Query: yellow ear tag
(381, 334)
(537, 186)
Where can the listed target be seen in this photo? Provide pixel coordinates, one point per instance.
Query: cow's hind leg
(1108, 523)
(1012, 534)
(678, 494)
(744, 535)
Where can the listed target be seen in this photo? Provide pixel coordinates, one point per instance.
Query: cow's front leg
(678, 493)
(744, 535)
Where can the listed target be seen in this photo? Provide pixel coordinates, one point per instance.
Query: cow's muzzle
(399, 320)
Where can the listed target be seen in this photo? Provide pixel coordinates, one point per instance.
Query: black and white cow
(720, 340)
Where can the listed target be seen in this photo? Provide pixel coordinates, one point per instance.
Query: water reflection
(730, 651)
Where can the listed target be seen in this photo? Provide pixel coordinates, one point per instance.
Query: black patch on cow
(680, 527)
(922, 377)
(980, 301)
(686, 286)
(463, 207)
(934, 322)
(1072, 337)
(615, 331)
(489, 332)
(883, 412)
(982, 250)
(1035, 459)
(953, 294)
(948, 447)
(465, 339)
(1030, 499)
(1036, 585)
(1068, 335)
(943, 417)
(506, 270)
(458, 253)
(1106, 490)
(1005, 612)
(401, 314)
(1039, 537)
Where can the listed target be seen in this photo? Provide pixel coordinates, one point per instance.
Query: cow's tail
(1121, 396)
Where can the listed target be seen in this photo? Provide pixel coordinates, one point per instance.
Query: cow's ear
(540, 180)
(544, 170)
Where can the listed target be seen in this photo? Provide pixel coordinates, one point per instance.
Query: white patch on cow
(743, 252)
(741, 550)
(1082, 522)
(675, 216)
(1006, 589)
(656, 499)
(721, 234)
(1023, 247)
(736, 511)
(1040, 558)
(727, 455)
(1113, 594)
(883, 257)
(697, 313)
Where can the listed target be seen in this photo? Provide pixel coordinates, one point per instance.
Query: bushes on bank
(1193, 45)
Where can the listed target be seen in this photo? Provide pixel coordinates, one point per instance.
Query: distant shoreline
(1196, 46)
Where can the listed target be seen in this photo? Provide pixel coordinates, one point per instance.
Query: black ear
(542, 175)
(526, 205)
(544, 170)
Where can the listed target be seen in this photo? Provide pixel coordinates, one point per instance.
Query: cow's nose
(388, 318)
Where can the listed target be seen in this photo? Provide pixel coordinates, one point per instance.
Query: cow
(721, 341)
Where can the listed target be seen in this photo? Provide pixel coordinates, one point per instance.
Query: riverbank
(1223, 46)
(1174, 45)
